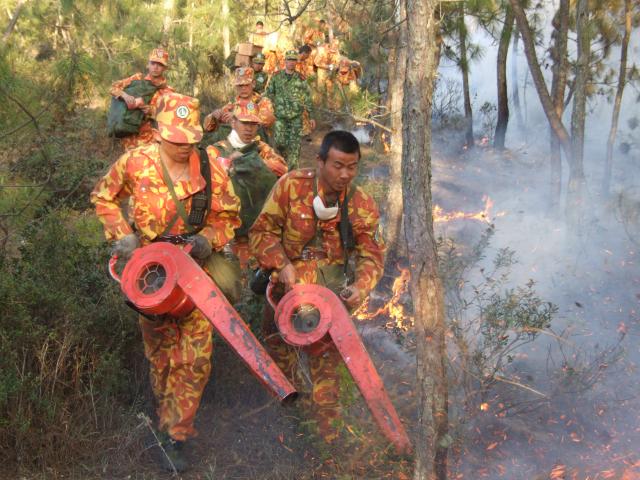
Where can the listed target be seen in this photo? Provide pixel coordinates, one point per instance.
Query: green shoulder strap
(181, 212)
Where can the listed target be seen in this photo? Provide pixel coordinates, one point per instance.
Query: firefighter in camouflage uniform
(291, 98)
(157, 178)
(297, 235)
(157, 65)
(254, 167)
(260, 76)
(244, 82)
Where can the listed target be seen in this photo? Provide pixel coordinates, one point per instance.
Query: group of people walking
(263, 212)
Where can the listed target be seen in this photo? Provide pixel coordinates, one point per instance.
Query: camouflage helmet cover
(159, 55)
(291, 55)
(243, 76)
(247, 113)
(178, 118)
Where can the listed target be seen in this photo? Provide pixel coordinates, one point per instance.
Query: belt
(175, 239)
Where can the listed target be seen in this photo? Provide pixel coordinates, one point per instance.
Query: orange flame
(394, 309)
(483, 216)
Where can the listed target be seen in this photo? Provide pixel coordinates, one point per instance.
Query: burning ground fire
(394, 308)
(439, 216)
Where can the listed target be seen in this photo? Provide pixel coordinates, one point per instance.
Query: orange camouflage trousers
(179, 352)
(324, 377)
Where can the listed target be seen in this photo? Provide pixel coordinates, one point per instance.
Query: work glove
(124, 247)
(200, 247)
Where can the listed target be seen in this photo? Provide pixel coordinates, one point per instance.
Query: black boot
(171, 454)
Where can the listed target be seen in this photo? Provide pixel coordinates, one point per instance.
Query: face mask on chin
(322, 212)
(235, 140)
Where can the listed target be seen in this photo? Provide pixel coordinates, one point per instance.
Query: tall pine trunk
(226, 41)
(538, 79)
(576, 187)
(503, 98)
(558, 86)
(168, 7)
(397, 61)
(426, 287)
(622, 78)
(515, 87)
(464, 68)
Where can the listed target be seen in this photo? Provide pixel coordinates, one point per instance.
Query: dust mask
(322, 212)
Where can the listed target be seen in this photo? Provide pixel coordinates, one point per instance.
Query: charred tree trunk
(515, 87)
(426, 288)
(464, 68)
(538, 79)
(622, 79)
(397, 61)
(558, 86)
(575, 191)
(503, 98)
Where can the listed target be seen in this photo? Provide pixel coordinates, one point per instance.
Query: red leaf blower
(313, 317)
(162, 279)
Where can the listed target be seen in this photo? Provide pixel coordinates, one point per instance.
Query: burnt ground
(582, 423)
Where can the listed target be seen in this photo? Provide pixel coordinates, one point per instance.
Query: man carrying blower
(313, 221)
(182, 195)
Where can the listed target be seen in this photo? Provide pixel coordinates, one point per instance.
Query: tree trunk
(538, 79)
(503, 99)
(426, 288)
(622, 78)
(464, 68)
(397, 60)
(13, 21)
(558, 86)
(575, 191)
(226, 45)
(515, 86)
(166, 23)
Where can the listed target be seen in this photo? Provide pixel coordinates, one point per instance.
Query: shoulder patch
(303, 173)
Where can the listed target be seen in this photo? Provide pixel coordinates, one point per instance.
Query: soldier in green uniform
(261, 78)
(291, 98)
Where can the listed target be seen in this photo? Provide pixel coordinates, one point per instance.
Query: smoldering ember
(305, 239)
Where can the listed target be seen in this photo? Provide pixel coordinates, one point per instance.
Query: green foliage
(65, 338)
(489, 319)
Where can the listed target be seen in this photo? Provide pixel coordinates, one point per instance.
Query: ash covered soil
(568, 407)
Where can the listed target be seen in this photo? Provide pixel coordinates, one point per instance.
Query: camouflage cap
(243, 76)
(291, 55)
(159, 55)
(178, 118)
(258, 58)
(247, 113)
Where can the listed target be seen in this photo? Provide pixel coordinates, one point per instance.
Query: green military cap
(258, 58)
(291, 55)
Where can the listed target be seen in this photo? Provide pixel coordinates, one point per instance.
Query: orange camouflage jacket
(306, 68)
(263, 104)
(325, 57)
(145, 134)
(287, 224)
(273, 61)
(117, 88)
(313, 36)
(137, 175)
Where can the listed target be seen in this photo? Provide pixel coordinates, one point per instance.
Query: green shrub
(65, 339)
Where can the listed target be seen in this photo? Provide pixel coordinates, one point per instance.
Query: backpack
(252, 181)
(122, 122)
